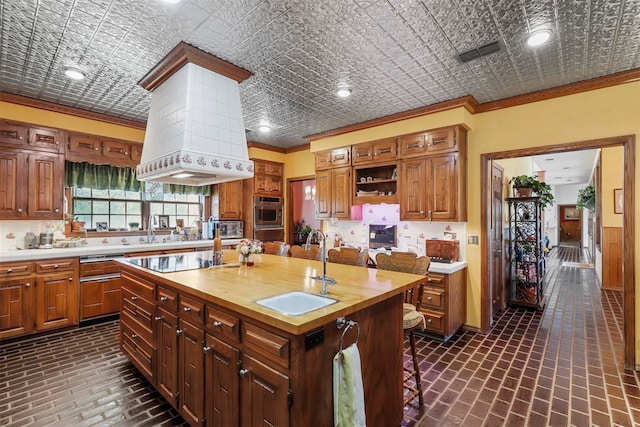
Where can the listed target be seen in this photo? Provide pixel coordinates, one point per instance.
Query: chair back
(406, 262)
(348, 256)
(276, 248)
(314, 252)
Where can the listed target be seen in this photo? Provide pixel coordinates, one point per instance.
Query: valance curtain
(107, 177)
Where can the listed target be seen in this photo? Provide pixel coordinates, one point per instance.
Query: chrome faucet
(151, 234)
(325, 280)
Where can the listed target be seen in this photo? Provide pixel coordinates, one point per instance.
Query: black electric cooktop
(172, 263)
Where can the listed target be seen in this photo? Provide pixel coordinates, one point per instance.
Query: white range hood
(195, 132)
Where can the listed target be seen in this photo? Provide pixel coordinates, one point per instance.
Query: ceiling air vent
(485, 50)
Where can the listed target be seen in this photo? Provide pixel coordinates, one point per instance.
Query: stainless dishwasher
(99, 288)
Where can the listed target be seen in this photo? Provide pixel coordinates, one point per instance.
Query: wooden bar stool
(300, 252)
(276, 248)
(408, 262)
(348, 256)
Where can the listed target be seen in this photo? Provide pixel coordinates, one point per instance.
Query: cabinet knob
(428, 320)
(134, 336)
(126, 153)
(19, 210)
(71, 279)
(9, 270)
(206, 349)
(243, 372)
(134, 298)
(179, 331)
(158, 318)
(56, 210)
(28, 285)
(421, 212)
(55, 265)
(217, 324)
(164, 299)
(187, 309)
(429, 298)
(96, 148)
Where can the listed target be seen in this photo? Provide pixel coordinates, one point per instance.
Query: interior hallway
(559, 367)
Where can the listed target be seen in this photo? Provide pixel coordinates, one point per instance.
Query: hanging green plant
(587, 198)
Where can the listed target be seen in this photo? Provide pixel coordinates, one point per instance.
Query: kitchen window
(188, 207)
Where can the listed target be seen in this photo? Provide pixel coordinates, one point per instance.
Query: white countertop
(32, 254)
(439, 267)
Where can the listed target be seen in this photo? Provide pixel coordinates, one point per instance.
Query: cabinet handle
(28, 285)
(205, 349)
(429, 215)
(428, 320)
(187, 309)
(9, 270)
(164, 299)
(416, 145)
(71, 279)
(134, 336)
(243, 372)
(55, 265)
(217, 324)
(339, 157)
(383, 151)
(179, 331)
(429, 298)
(134, 298)
(158, 318)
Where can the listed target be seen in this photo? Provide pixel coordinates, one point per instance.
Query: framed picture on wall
(164, 221)
(618, 200)
(571, 214)
(102, 226)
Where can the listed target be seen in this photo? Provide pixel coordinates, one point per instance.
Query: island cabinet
(222, 361)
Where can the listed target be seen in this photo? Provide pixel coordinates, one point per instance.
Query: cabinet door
(116, 150)
(442, 140)
(167, 355)
(342, 193)
(362, 153)
(274, 185)
(13, 134)
(413, 145)
(323, 194)
(45, 139)
(264, 392)
(222, 383)
(442, 187)
(13, 175)
(136, 153)
(56, 300)
(46, 184)
(412, 190)
(84, 145)
(99, 297)
(191, 368)
(15, 304)
(230, 199)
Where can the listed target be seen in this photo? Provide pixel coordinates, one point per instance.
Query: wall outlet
(473, 240)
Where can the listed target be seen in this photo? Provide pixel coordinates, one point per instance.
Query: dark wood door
(167, 355)
(263, 395)
(222, 383)
(570, 224)
(191, 367)
(497, 283)
(15, 303)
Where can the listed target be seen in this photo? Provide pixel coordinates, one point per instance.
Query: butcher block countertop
(237, 288)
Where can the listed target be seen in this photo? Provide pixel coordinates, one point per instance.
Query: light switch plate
(473, 240)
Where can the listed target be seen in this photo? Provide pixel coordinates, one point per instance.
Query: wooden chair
(276, 248)
(408, 262)
(300, 252)
(348, 256)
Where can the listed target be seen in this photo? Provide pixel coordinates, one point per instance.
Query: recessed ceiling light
(182, 175)
(344, 92)
(74, 73)
(171, 1)
(264, 128)
(538, 37)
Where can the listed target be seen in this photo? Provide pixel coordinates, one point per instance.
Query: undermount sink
(295, 303)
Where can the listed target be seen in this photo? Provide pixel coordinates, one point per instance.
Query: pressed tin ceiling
(395, 55)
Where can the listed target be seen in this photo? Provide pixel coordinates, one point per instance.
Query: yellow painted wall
(611, 162)
(53, 119)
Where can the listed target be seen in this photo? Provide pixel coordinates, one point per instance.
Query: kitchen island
(222, 359)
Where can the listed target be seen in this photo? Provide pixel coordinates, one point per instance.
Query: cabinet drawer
(433, 298)
(267, 344)
(139, 351)
(88, 145)
(435, 321)
(167, 299)
(55, 265)
(12, 269)
(13, 134)
(100, 268)
(191, 309)
(139, 310)
(413, 145)
(436, 279)
(222, 324)
(139, 286)
(116, 150)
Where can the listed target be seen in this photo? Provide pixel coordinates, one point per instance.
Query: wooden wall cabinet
(33, 183)
(333, 193)
(230, 200)
(98, 150)
(436, 141)
(18, 135)
(267, 178)
(444, 303)
(333, 158)
(375, 183)
(383, 150)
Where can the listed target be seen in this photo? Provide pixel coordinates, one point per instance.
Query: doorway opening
(301, 208)
(628, 240)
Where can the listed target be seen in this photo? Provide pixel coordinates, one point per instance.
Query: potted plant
(524, 185)
(587, 197)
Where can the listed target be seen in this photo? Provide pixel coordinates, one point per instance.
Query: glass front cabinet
(526, 255)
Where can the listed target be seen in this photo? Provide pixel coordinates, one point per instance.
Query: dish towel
(348, 393)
